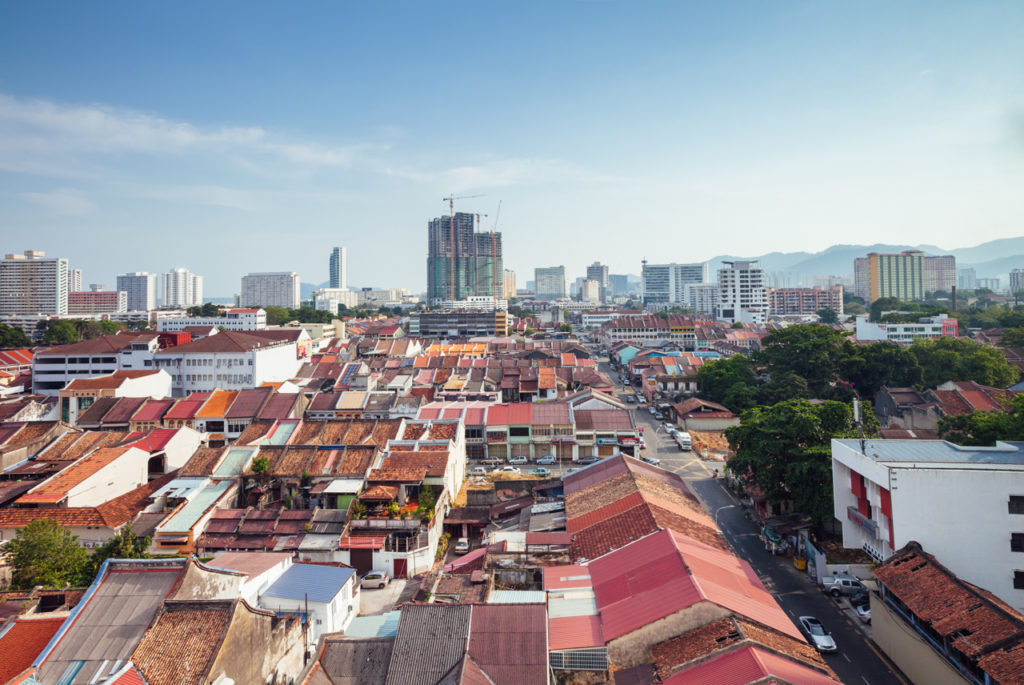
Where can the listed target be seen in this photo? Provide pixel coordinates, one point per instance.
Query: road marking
(847, 658)
(865, 680)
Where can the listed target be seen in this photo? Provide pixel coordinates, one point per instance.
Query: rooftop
(318, 583)
(937, 452)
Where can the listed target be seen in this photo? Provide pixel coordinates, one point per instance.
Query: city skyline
(741, 129)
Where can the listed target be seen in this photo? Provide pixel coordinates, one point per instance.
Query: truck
(683, 440)
(842, 584)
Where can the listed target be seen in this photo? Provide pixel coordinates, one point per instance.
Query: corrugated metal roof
(517, 597)
(235, 460)
(577, 603)
(509, 643)
(938, 451)
(430, 642)
(191, 512)
(564, 577)
(574, 632)
(746, 665)
(382, 625)
(318, 583)
(247, 403)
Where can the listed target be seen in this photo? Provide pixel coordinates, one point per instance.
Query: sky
(233, 137)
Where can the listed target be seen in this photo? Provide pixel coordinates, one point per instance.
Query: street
(857, 659)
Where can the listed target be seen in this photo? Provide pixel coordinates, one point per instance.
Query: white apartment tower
(141, 290)
(74, 280)
(182, 289)
(742, 296)
(271, 289)
(1016, 281)
(339, 268)
(31, 283)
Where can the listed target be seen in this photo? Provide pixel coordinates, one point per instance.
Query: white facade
(324, 617)
(31, 283)
(665, 284)
(383, 296)
(74, 279)
(55, 368)
(475, 302)
(550, 282)
(1016, 281)
(236, 370)
(927, 327)
(270, 289)
(339, 269)
(141, 290)
(233, 320)
(127, 471)
(959, 503)
(742, 296)
(701, 297)
(182, 288)
(329, 299)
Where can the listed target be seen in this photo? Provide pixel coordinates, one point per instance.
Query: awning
(465, 560)
(343, 486)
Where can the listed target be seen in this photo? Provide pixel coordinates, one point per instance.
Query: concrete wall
(127, 472)
(908, 650)
(202, 583)
(260, 648)
(635, 648)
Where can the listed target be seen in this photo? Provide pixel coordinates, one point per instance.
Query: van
(683, 440)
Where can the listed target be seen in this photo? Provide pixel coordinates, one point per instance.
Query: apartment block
(1016, 281)
(339, 268)
(182, 288)
(32, 283)
(271, 289)
(330, 299)
(939, 274)
(804, 301)
(97, 302)
(665, 284)
(140, 288)
(551, 282)
(892, 275)
(742, 296)
(238, 319)
(701, 297)
(460, 261)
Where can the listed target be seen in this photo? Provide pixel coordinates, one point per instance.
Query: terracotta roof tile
(57, 487)
(23, 642)
(180, 647)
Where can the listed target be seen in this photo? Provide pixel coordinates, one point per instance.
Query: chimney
(954, 299)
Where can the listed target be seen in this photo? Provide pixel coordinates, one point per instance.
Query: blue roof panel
(319, 583)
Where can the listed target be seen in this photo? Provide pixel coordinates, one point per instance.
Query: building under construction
(473, 268)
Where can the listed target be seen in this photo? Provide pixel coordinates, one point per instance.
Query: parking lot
(374, 602)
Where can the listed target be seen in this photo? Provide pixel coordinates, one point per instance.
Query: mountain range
(993, 259)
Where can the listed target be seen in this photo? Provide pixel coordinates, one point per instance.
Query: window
(1017, 542)
(1018, 580)
(1017, 504)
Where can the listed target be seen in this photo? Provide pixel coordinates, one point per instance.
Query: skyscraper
(461, 262)
(31, 283)
(599, 272)
(551, 282)
(273, 289)
(182, 288)
(74, 280)
(339, 268)
(1017, 281)
(665, 284)
(742, 296)
(141, 290)
(894, 275)
(939, 274)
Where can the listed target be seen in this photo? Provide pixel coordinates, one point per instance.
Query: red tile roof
(20, 645)
(575, 632)
(180, 647)
(111, 381)
(55, 489)
(747, 665)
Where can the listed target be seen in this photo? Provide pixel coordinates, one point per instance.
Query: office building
(804, 301)
(140, 288)
(97, 302)
(271, 289)
(619, 284)
(458, 324)
(32, 283)
(330, 299)
(599, 272)
(1017, 281)
(182, 288)
(551, 282)
(894, 275)
(339, 268)
(926, 327)
(701, 297)
(939, 274)
(74, 280)
(966, 279)
(461, 262)
(591, 291)
(742, 296)
(664, 285)
(509, 284)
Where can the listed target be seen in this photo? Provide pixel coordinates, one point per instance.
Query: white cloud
(66, 201)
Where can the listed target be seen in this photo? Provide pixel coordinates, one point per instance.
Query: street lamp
(719, 509)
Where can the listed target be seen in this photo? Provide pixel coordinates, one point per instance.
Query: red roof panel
(746, 665)
(575, 632)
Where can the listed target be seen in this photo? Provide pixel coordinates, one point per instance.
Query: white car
(462, 545)
(375, 579)
(816, 633)
(508, 469)
(547, 459)
(478, 471)
(863, 612)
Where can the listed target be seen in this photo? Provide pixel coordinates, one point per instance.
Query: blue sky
(250, 136)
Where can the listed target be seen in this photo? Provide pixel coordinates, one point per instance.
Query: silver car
(816, 633)
(375, 579)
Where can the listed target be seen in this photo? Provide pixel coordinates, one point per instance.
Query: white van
(683, 440)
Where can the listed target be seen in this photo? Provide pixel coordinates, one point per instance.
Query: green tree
(813, 352)
(827, 315)
(44, 553)
(981, 428)
(277, 316)
(124, 545)
(12, 336)
(959, 359)
(1012, 337)
(60, 332)
(719, 377)
(870, 367)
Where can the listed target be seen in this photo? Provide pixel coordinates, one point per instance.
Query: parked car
(548, 459)
(630, 399)
(478, 471)
(588, 460)
(860, 599)
(863, 612)
(651, 460)
(375, 579)
(518, 461)
(683, 440)
(816, 633)
(659, 416)
(509, 469)
(842, 584)
(540, 471)
(491, 461)
(462, 545)
(669, 427)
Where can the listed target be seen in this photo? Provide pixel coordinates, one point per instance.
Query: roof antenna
(859, 424)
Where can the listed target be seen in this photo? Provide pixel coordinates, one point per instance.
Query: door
(401, 568)
(362, 560)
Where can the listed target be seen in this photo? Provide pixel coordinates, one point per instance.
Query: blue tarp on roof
(319, 583)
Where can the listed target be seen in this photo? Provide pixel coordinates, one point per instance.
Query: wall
(275, 364)
(635, 648)
(260, 648)
(127, 472)
(908, 650)
(201, 583)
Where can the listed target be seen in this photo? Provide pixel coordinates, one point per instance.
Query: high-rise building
(271, 289)
(509, 284)
(591, 290)
(74, 280)
(741, 293)
(97, 301)
(664, 284)
(1017, 281)
(939, 274)
(140, 288)
(461, 262)
(551, 282)
(701, 297)
(619, 284)
(805, 301)
(31, 283)
(339, 268)
(182, 288)
(861, 281)
(966, 279)
(599, 272)
(895, 275)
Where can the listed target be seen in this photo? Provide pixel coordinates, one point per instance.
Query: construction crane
(451, 226)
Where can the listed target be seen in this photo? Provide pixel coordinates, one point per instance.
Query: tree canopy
(44, 553)
(960, 359)
(984, 428)
(125, 545)
(12, 336)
